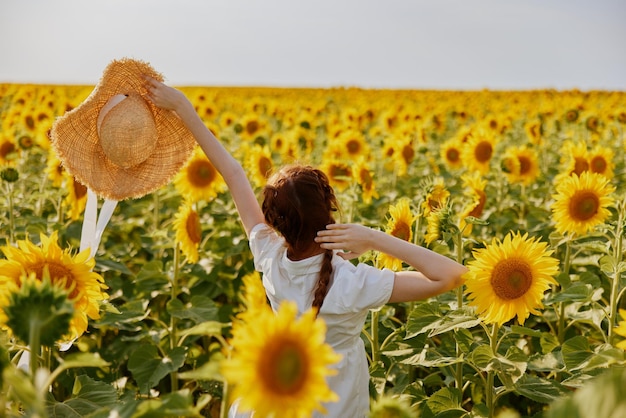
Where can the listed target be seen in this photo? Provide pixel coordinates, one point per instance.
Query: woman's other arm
(434, 273)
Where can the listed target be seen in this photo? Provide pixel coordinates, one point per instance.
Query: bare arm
(434, 273)
(233, 173)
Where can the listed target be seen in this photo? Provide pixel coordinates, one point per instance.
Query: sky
(406, 44)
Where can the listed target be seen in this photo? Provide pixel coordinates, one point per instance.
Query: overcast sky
(437, 44)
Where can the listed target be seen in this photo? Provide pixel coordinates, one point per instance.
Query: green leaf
(199, 309)
(606, 356)
(576, 353)
(516, 329)
(461, 318)
(545, 363)
(110, 265)
(539, 390)
(151, 277)
(422, 318)
(208, 371)
(603, 396)
(148, 368)
(481, 357)
(576, 292)
(205, 328)
(83, 360)
(446, 402)
(548, 342)
(88, 396)
(176, 404)
(464, 339)
(610, 266)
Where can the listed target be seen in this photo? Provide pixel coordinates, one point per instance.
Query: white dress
(353, 291)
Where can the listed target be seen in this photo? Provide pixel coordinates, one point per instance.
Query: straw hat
(118, 144)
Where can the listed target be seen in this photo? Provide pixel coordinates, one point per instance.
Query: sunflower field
(526, 188)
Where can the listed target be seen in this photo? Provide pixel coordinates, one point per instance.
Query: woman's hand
(164, 96)
(353, 239)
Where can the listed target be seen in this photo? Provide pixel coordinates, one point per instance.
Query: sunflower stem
(490, 390)
(224, 402)
(375, 342)
(459, 301)
(617, 254)
(174, 295)
(34, 341)
(155, 212)
(561, 323)
(11, 216)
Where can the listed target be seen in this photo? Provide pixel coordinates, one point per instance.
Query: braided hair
(297, 202)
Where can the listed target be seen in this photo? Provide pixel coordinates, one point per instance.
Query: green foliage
(156, 349)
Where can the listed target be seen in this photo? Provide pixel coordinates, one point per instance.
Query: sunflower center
(483, 151)
(285, 368)
(193, 227)
(408, 153)
(584, 205)
(6, 148)
(353, 146)
(453, 155)
(366, 179)
(598, 165)
(338, 172)
(580, 165)
(201, 173)
(478, 209)
(265, 166)
(59, 275)
(79, 190)
(511, 278)
(252, 126)
(401, 230)
(524, 165)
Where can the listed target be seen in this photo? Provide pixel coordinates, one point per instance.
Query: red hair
(297, 202)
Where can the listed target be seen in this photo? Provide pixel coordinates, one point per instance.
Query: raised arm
(231, 170)
(434, 273)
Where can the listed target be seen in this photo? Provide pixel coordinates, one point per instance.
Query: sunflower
(450, 152)
(339, 172)
(353, 144)
(621, 329)
(405, 155)
(252, 128)
(400, 225)
(54, 169)
(601, 161)
(365, 179)
(581, 202)
(8, 149)
(476, 197)
(199, 180)
(227, 119)
(259, 164)
(279, 363)
(436, 197)
(534, 131)
(575, 158)
(76, 198)
(478, 151)
(70, 272)
(521, 165)
(188, 231)
(253, 296)
(508, 278)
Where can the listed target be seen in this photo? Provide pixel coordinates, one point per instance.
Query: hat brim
(74, 137)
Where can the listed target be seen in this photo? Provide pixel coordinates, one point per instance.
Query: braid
(323, 281)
